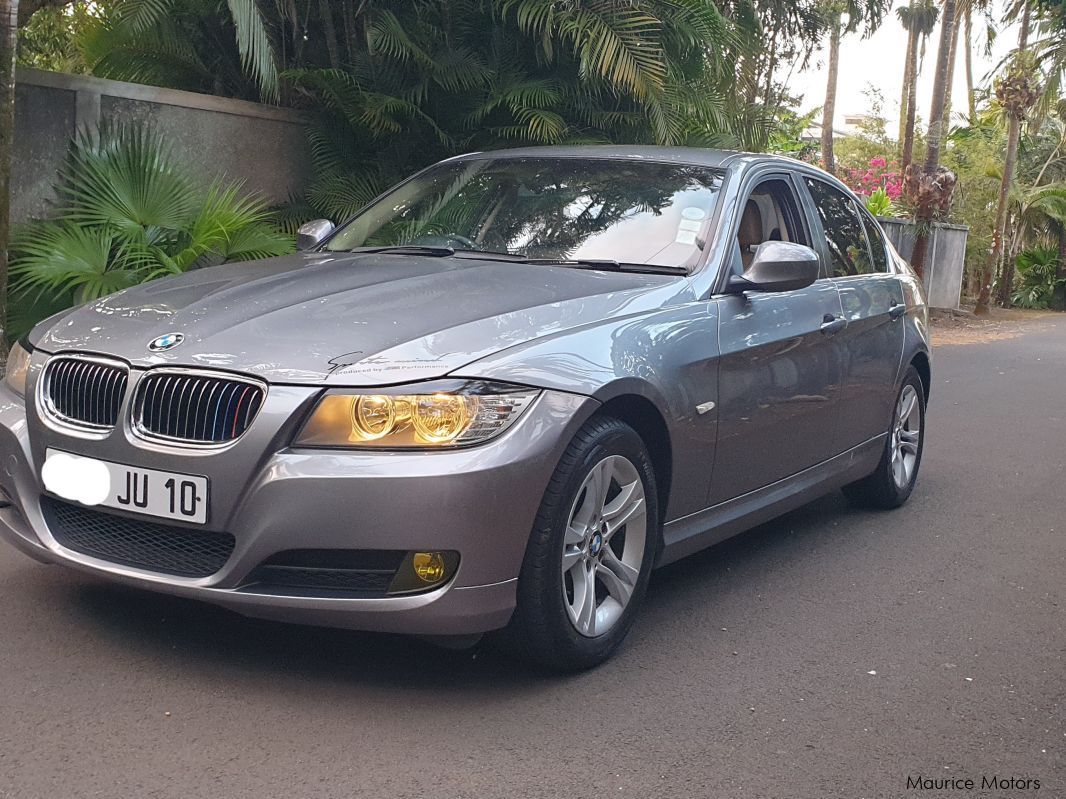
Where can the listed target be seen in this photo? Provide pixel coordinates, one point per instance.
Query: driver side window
(771, 213)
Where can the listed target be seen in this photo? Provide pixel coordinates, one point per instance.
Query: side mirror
(313, 233)
(778, 266)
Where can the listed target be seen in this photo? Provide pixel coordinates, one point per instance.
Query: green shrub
(880, 204)
(1038, 278)
(128, 212)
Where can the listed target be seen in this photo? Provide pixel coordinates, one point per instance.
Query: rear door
(781, 367)
(855, 252)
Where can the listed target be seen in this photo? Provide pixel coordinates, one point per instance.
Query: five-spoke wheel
(892, 482)
(603, 547)
(591, 551)
(906, 436)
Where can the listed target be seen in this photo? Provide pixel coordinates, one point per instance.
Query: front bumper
(480, 502)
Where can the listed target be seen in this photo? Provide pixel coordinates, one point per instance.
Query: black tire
(541, 630)
(880, 490)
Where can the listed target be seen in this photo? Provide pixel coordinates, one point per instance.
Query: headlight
(18, 366)
(429, 417)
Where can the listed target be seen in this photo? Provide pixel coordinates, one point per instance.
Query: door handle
(833, 324)
(896, 310)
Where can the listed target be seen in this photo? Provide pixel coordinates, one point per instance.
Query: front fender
(669, 357)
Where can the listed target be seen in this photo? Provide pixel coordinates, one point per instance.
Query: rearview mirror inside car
(778, 266)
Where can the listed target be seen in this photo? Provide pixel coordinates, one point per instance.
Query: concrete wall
(946, 261)
(262, 145)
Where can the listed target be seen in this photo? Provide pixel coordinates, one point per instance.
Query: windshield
(553, 208)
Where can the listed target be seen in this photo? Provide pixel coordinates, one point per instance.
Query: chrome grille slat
(84, 391)
(188, 407)
(208, 415)
(95, 396)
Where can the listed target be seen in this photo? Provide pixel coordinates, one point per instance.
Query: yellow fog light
(421, 571)
(428, 566)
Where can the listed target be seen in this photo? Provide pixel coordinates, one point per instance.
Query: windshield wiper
(610, 265)
(407, 249)
(439, 252)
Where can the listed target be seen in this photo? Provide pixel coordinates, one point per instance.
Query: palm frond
(340, 197)
(124, 178)
(253, 42)
(60, 258)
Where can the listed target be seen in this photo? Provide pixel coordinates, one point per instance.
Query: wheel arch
(644, 417)
(920, 362)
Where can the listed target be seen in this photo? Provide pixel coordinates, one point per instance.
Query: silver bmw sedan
(493, 401)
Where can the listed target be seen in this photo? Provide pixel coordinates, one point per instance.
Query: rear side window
(849, 249)
(877, 243)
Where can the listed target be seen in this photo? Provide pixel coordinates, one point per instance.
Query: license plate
(88, 481)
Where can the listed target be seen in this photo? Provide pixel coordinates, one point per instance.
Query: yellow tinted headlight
(18, 367)
(470, 414)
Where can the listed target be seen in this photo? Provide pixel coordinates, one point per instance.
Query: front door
(782, 366)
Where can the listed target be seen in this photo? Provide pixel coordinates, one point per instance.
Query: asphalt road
(750, 674)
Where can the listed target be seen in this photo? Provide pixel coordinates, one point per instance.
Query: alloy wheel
(603, 548)
(906, 436)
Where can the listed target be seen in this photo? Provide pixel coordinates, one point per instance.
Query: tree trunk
(768, 94)
(910, 114)
(924, 215)
(909, 61)
(331, 33)
(1010, 159)
(953, 55)
(971, 97)
(9, 17)
(1006, 283)
(988, 275)
(829, 111)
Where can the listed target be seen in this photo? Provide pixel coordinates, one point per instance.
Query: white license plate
(89, 481)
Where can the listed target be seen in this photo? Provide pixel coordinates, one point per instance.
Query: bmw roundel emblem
(167, 342)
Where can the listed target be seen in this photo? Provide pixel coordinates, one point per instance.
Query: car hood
(351, 319)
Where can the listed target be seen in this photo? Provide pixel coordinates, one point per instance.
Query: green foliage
(1040, 277)
(436, 79)
(880, 204)
(127, 212)
(49, 39)
(201, 45)
(975, 154)
(787, 137)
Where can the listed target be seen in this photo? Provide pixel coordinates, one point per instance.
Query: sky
(879, 61)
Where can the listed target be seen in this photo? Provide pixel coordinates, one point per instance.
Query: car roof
(715, 159)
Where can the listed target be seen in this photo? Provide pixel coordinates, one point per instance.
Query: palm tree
(919, 19)
(931, 188)
(971, 97)
(857, 12)
(829, 108)
(1017, 93)
(181, 44)
(953, 54)
(966, 10)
